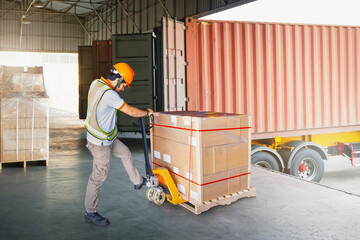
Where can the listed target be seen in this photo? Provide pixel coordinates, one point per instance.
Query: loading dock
(46, 203)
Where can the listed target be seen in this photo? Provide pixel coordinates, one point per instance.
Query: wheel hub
(302, 168)
(263, 164)
(307, 169)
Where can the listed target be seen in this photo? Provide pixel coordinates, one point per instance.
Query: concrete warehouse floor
(47, 203)
(340, 174)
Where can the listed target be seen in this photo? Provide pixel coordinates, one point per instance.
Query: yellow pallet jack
(159, 182)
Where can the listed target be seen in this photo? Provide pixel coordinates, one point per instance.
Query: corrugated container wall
(140, 16)
(292, 79)
(45, 33)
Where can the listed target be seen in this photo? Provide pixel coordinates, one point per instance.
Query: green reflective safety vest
(96, 91)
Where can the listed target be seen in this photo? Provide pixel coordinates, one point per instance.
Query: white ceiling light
(38, 4)
(24, 20)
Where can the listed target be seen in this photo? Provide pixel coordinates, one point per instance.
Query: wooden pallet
(24, 163)
(225, 200)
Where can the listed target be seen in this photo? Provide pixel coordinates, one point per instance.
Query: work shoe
(96, 219)
(139, 186)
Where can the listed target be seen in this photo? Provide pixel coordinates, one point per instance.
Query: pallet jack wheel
(159, 198)
(150, 194)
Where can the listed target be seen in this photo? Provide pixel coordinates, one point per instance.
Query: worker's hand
(151, 112)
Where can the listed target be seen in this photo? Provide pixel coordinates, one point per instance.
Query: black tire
(312, 163)
(265, 160)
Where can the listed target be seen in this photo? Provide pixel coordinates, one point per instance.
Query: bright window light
(60, 75)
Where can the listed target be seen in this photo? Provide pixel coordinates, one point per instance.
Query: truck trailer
(298, 82)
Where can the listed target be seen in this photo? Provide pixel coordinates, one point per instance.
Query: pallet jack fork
(159, 181)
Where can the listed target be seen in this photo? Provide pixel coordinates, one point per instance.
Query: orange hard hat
(126, 72)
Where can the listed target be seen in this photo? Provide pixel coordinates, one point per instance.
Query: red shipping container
(292, 79)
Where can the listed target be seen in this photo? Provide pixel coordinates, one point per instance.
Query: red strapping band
(190, 144)
(153, 146)
(191, 131)
(202, 130)
(204, 184)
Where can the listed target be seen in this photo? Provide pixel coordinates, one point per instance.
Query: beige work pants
(101, 165)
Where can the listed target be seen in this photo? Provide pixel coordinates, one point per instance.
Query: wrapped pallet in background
(207, 154)
(22, 82)
(24, 115)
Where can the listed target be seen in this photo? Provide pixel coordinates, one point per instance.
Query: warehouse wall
(45, 33)
(51, 32)
(135, 16)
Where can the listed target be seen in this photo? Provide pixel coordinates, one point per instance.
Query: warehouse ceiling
(80, 8)
(63, 25)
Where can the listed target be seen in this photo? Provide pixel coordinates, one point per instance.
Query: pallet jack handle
(143, 130)
(156, 193)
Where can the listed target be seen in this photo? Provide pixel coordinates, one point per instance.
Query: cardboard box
(24, 129)
(9, 156)
(213, 189)
(205, 152)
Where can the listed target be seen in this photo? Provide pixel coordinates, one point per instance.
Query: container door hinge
(186, 99)
(185, 28)
(186, 63)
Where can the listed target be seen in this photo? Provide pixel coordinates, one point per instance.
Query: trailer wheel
(308, 164)
(265, 160)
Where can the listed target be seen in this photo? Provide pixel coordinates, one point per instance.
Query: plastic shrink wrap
(24, 115)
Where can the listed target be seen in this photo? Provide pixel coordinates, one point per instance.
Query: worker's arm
(133, 111)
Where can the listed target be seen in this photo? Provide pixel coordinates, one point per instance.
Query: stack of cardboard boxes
(24, 116)
(207, 154)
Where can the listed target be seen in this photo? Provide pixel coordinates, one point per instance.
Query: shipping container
(102, 58)
(86, 76)
(137, 50)
(298, 82)
(158, 60)
(94, 62)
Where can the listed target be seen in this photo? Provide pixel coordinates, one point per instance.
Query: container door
(174, 82)
(86, 76)
(137, 51)
(102, 55)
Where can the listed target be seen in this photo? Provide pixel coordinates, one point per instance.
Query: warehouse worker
(101, 125)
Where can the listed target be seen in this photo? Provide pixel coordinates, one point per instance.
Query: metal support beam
(32, 2)
(7, 11)
(127, 14)
(33, 12)
(21, 25)
(101, 19)
(46, 4)
(84, 28)
(166, 10)
(67, 9)
(80, 1)
(74, 4)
